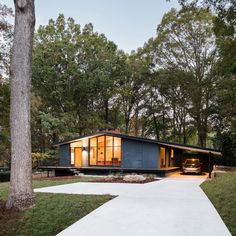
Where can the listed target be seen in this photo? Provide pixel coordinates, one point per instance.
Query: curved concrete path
(167, 207)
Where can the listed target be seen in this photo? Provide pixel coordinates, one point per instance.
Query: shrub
(4, 176)
(46, 158)
(227, 143)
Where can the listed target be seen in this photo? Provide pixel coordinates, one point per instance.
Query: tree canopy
(180, 86)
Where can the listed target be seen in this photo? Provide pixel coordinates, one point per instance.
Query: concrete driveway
(167, 207)
(180, 175)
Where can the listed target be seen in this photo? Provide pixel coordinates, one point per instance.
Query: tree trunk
(21, 192)
(202, 136)
(127, 125)
(127, 120)
(163, 122)
(156, 126)
(174, 123)
(106, 105)
(184, 129)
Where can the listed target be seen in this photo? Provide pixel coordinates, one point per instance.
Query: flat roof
(141, 139)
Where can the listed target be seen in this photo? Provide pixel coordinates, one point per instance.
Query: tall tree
(75, 72)
(225, 30)
(132, 90)
(185, 41)
(21, 192)
(166, 108)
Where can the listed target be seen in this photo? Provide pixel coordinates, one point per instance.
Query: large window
(101, 151)
(117, 151)
(93, 151)
(105, 151)
(109, 150)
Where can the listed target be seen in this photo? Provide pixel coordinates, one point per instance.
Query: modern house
(112, 151)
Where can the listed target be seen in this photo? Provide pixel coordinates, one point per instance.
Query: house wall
(139, 155)
(64, 155)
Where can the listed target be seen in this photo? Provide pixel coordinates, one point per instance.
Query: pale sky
(128, 23)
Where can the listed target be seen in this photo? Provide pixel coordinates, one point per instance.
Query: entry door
(78, 157)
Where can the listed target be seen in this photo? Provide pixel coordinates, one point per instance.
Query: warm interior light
(106, 150)
(172, 153)
(162, 156)
(72, 156)
(76, 144)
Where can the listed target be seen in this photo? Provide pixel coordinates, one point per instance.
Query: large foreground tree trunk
(21, 193)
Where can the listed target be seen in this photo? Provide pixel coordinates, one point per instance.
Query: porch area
(103, 170)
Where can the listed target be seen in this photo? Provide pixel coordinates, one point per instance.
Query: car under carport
(206, 156)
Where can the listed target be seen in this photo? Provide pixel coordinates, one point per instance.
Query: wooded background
(180, 86)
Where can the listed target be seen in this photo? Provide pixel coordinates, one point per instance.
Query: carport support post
(209, 164)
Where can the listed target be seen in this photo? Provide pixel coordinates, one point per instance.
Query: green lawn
(52, 213)
(4, 187)
(222, 193)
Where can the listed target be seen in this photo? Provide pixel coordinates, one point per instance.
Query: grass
(52, 213)
(4, 187)
(222, 193)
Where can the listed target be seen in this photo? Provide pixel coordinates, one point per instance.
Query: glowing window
(101, 150)
(72, 156)
(172, 153)
(93, 152)
(162, 157)
(76, 144)
(105, 150)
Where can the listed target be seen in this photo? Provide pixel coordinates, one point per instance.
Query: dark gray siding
(64, 155)
(139, 155)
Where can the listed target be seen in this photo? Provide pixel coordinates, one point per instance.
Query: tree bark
(127, 125)
(21, 193)
(202, 136)
(156, 126)
(106, 105)
(184, 129)
(136, 122)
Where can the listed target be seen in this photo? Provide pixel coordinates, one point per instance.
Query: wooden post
(210, 164)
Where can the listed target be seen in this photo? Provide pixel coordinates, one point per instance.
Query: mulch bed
(97, 180)
(120, 180)
(7, 215)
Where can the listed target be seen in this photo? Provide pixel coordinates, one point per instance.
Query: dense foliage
(5, 44)
(224, 28)
(180, 86)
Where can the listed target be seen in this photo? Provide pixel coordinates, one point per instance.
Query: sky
(128, 23)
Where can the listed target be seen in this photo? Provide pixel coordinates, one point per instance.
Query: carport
(182, 152)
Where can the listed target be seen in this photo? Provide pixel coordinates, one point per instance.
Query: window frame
(105, 146)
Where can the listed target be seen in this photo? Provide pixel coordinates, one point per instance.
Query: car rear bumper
(192, 170)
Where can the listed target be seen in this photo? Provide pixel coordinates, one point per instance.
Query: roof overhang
(163, 143)
(77, 139)
(193, 149)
